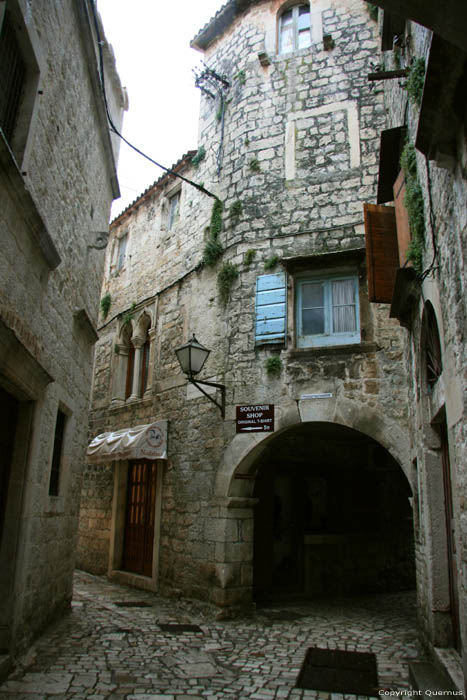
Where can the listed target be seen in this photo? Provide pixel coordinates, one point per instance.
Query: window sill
(355, 348)
(124, 406)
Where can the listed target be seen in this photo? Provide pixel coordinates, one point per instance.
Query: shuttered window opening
(12, 77)
(402, 219)
(382, 254)
(327, 311)
(271, 309)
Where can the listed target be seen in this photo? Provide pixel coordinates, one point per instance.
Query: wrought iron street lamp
(192, 357)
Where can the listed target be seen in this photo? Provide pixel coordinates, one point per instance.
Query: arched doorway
(333, 516)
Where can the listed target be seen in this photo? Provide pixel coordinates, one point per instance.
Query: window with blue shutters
(271, 309)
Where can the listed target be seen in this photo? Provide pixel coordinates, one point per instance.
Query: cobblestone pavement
(105, 651)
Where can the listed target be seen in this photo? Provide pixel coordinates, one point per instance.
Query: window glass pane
(304, 39)
(312, 321)
(303, 18)
(121, 252)
(174, 209)
(344, 317)
(286, 18)
(312, 294)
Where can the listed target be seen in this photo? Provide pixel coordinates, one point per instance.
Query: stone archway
(237, 500)
(332, 517)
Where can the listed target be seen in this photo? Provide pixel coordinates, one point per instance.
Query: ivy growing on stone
(236, 209)
(413, 202)
(105, 305)
(199, 156)
(372, 11)
(241, 77)
(254, 165)
(213, 248)
(225, 279)
(271, 262)
(249, 256)
(416, 80)
(128, 316)
(273, 365)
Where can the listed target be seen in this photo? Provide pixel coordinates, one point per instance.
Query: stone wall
(55, 197)
(300, 155)
(443, 286)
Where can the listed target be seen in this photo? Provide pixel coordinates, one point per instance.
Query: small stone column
(138, 345)
(152, 353)
(119, 375)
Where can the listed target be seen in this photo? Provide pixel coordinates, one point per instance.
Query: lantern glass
(192, 356)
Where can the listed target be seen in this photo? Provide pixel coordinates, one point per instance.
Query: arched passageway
(333, 516)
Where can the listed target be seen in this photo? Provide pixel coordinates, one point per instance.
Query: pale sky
(151, 42)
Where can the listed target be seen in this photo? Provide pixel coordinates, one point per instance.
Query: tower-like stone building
(270, 275)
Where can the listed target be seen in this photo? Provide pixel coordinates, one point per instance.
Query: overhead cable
(114, 129)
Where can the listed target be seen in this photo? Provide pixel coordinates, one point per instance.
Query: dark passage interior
(333, 516)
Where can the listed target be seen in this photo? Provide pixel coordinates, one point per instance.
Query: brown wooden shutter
(382, 255)
(402, 219)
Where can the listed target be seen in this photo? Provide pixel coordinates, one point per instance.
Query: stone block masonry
(297, 161)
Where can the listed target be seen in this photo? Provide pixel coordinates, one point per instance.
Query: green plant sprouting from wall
(372, 11)
(225, 279)
(416, 80)
(128, 316)
(106, 302)
(413, 202)
(271, 262)
(241, 77)
(236, 209)
(273, 365)
(254, 165)
(199, 156)
(249, 256)
(213, 248)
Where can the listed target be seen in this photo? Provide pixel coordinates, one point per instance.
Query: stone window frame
(329, 338)
(134, 368)
(121, 250)
(29, 47)
(56, 501)
(174, 207)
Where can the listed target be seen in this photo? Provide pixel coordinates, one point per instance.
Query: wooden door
(140, 517)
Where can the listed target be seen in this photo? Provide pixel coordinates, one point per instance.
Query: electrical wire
(114, 129)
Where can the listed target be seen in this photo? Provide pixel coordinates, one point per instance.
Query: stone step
(424, 676)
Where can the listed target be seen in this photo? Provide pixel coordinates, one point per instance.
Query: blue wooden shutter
(271, 309)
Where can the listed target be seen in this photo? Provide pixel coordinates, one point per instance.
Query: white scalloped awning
(140, 442)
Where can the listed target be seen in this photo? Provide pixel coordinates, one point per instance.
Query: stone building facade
(57, 182)
(288, 143)
(429, 108)
(287, 290)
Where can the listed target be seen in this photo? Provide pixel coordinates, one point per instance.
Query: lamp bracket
(197, 383)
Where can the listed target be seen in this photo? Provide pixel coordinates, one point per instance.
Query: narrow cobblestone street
(114, 645)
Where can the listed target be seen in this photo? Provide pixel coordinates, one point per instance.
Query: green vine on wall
(413, 202)
(273, 365)
(236, 209)
(213, 248)
(416, 80)
(372, 11)
(225, 279)
(106, 302)
(199, 156)
(249, 256)
(271, 262)
(128, 316)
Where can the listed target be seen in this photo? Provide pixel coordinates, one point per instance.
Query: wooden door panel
(140, 518)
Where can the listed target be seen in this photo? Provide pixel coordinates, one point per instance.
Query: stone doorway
(140, 514)
(333, 516)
